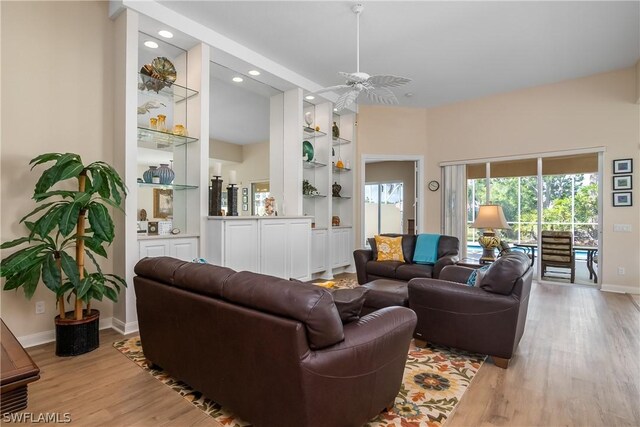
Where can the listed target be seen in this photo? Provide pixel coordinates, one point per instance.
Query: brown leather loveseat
(274, 352)
(488, 318)
(369, 269)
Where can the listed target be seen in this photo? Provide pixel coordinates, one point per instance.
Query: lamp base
(489, 241)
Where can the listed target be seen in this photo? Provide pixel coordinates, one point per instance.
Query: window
(383, 204)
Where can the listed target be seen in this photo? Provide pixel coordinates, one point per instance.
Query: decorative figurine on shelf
(232, 194)
(162, 125)
(159, 74)
(149, 105)
(335, 221)
(270, 206)
(339, 164)
(153, 123)
(143, 215)
(317, 128)
(335, 130)
(308, 119)
(335, 189)
(180, 130)
(307, 151)
(308, 189)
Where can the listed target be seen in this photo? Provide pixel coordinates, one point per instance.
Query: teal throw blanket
(426, 249)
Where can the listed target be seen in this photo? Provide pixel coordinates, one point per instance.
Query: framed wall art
(622, 182)
(162, 203)
(622, 198)
(622, 166)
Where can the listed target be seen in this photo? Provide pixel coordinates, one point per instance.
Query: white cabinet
(277, 246)
(185, 248)
(341, 247)
(318, 251)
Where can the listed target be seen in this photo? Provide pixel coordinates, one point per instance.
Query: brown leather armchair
(487, 319)
(368, 269)
(256, 343)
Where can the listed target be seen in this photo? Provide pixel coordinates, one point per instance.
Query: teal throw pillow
(476, 275)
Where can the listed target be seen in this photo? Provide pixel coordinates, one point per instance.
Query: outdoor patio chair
(557, 252)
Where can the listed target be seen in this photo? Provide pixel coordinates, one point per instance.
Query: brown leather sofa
(272, 351)
(368, 269)
(487, 319)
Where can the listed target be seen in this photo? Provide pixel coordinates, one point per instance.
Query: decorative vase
(149, 174)
(335, 130)
(339, 164)
(335, 221)
(166, 174)
(162, 124)
(335, 189)
(75, 337)
(307, 151)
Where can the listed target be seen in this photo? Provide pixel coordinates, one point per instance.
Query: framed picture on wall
(622, 182)
(162, 203)
(622, 198)
(623, 166)
(245, 207)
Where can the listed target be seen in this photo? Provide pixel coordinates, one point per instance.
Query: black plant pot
(75, 337)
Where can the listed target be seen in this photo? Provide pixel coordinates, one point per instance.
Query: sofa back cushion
(503, 274)
(311, 305)
(408, 246)
(448, 245)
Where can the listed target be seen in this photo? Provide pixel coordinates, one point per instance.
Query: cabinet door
(299, 238)
(345, 244)
(273, 248)
(154, 248)
(318, 251)
(184, 249)
(241, 245)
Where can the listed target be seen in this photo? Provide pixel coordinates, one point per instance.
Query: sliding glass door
(383, 204)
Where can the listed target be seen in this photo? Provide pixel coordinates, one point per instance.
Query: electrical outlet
(621, 271)
(39, 307)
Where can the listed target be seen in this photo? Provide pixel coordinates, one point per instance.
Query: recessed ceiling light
(237, 79)
(166, 34)
(309, 97)
(254, 72)
(150, 44)
(335, 109)
(408, 94)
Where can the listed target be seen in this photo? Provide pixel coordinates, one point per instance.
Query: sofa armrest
(452, 296)
(456, 273)
(361, 257)
(370, 343)
(442, 263)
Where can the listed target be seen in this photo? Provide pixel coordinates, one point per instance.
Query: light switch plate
(622, 228)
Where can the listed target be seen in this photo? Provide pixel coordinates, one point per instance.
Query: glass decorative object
(166, 174)
(149, 174)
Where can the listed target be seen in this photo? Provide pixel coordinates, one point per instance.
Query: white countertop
(145, 236)
(246, 217)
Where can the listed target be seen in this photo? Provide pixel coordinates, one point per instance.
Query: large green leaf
(21, 260)
(47, 179)
(31, 278)
(101, 222)
(61, 193)
(69, 217)
(36, 210)
(43, 158)
(95, 262)
(70, 268)
(95, 245)
(70, 170)
(111, 294)
(116, 280)
(46, 223)
(12, 243)
(51, 275)
(83, 288)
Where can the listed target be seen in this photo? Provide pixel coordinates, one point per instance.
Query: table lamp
(490, 218)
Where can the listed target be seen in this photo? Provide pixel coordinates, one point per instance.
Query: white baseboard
(124, 328)
(38, 338)
(620, 289)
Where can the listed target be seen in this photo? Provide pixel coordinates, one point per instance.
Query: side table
(17, 370)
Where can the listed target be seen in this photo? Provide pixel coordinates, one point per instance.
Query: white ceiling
(453, 51)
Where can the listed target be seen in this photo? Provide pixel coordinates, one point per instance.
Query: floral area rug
(435, 378)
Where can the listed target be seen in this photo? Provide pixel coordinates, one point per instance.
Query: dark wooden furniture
(557, 251)
(17, 370)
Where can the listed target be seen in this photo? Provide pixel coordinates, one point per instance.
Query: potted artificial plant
(65, 226)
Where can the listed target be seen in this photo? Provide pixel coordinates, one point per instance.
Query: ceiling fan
(375, 87)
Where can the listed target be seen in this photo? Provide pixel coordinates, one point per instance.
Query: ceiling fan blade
(337, 88)
(346, 99)
(354, 77)
(382, 96)
(388, 81)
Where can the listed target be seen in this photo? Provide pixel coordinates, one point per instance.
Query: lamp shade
(490, 216)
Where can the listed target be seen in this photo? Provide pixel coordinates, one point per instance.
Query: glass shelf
(312, 164)
(175, 93)
(311, 133)
(340, 170)
(168, 186)
(341, 197)
(313, 196)
(340, 141)
(150, 138)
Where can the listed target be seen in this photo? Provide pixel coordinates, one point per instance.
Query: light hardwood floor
(577, 364)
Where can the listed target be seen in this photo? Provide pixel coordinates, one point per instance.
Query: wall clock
(434, 185)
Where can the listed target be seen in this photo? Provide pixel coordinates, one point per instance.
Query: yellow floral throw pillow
(389, 248)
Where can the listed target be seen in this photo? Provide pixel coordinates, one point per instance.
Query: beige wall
(221, 150)
(57, 88)
(398, 171)
(596, 111)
